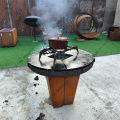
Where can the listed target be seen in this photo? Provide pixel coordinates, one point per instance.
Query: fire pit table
(62, 71)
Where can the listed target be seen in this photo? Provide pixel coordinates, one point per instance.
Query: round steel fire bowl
(58, 42)
(81, 64)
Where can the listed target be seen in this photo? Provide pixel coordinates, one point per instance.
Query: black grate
(61, 56)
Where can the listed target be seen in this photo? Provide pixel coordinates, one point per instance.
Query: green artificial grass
(17, 56)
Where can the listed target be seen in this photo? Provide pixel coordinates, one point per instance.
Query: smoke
(51, 11)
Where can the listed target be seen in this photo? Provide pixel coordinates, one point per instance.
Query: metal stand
(34, 36)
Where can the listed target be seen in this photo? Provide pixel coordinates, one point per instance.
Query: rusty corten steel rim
(89, 35)
(61, 73)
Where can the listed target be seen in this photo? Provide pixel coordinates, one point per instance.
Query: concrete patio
(97, 96)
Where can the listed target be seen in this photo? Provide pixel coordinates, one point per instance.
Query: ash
(57, 60)
(58, 66)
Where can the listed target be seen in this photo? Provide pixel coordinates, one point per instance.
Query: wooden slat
(19, 10)
(34, 12)
(4, 16)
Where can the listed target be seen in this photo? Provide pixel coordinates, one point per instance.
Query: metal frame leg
(34, 36)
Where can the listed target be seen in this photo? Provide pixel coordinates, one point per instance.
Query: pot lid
(59, 38)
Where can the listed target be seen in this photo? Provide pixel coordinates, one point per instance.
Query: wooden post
(62, 89)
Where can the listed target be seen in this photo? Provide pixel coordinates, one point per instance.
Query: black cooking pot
(33, 21)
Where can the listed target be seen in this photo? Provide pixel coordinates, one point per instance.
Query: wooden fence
(13, 12)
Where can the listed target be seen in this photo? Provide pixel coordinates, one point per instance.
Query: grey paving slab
(97, 96)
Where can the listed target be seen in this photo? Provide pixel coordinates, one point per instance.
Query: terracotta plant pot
(58, 42)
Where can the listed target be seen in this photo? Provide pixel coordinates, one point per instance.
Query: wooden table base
(62, 89)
